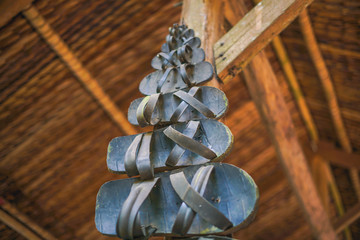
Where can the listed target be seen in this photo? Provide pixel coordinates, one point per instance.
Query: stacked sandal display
(180, 189)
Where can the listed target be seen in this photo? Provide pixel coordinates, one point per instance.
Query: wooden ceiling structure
(69, 70)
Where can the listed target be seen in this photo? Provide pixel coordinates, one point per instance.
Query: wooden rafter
(17, 226)
(74, 64)
(21, 223)
(335, 156)
(329, 90)
(351, 216)
(10, 8)
(320, 166)
(264, 89)
(252, 33)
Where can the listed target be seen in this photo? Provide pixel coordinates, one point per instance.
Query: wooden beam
(266, 93)
(74, 64)
(318, 168)
(350, 216)
(319, 165)
(23, 219)
(335, 155)
(10, 8)
(205, 18)
(329, 90)
(252, 33)
(17, 226)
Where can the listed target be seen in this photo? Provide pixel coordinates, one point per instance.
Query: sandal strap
(184, 53)
(137, 157)
(189, 143)
(192, 41)
(168, 58)
(196, 104)
(146, 109)
(163, 78)
(182, 106)
(176, 153)
(196, 201)
(185, 77)
(185, 214)
(130, 156)
(143, 163)
(171, 42)
(188, 33)
(126, 220)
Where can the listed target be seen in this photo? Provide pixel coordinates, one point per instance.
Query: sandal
(223, 197)
(173, 43)
(174, 78)
(175, 58)
(178, 145)
(181, 106)
(180, 35)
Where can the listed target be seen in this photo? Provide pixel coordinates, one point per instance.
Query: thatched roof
(54, 135)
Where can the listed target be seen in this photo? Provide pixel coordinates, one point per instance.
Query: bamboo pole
(329, 90)
(74, 64)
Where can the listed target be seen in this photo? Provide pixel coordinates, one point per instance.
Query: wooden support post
(205, 17)
(74, 64)
(265, 91)
(318, 169)
(252, 33)
(328, 86)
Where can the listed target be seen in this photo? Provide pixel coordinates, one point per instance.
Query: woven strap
(188, 33)
(168, 59)
(126, 220)
(183, 106)
(192, 42)
(184, 54)
(196, 104)
(188, 143)
(192, 197)
(176, 153)
(146, 109)
(137, 157)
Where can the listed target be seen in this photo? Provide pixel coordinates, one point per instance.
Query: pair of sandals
(181, 190)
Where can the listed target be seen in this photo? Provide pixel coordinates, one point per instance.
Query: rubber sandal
(175, 58)
(174, 78)
(194, 104)
(220, 200)
(178, 36)
(173, 43)
(179, 145)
